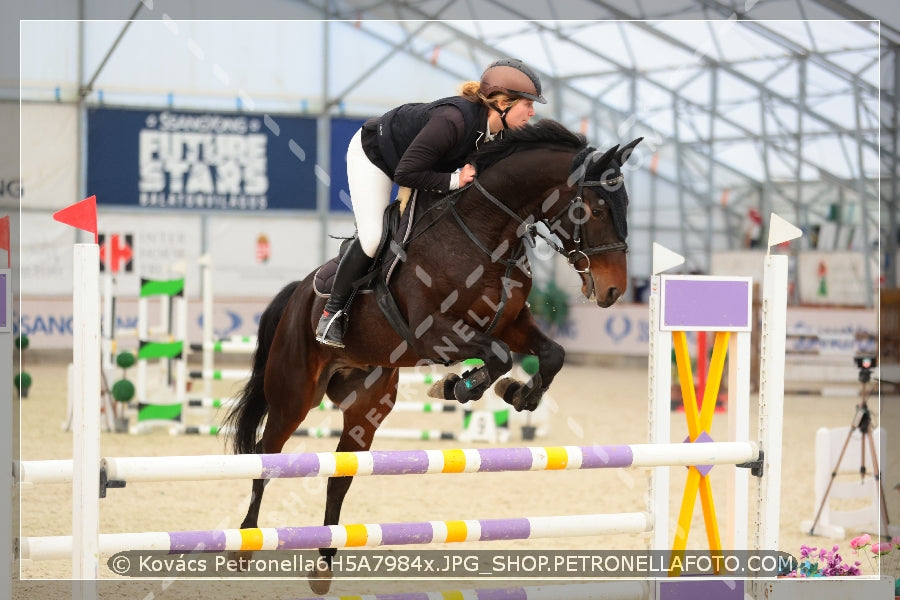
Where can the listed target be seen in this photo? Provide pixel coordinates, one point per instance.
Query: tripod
(862, 420)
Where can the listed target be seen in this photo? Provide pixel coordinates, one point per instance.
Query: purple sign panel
(695, 303)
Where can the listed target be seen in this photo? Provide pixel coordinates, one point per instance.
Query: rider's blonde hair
(471, 91)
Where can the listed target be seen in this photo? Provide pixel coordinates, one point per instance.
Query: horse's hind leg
(365, 398)
(294, 383)
(303, 393)
(299, 393)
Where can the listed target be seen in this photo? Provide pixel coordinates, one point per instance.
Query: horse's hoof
(519, 395)
(501, 386)
(511, 391)
(533, 398)
(320, 578)
(443, 388)
(533, 401)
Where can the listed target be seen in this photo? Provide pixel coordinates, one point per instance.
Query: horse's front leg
(466, 343)
(524, 336)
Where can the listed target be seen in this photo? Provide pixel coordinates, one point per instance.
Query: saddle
(397, 225)
(398, 220)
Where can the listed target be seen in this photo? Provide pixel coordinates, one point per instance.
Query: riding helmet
(513, 77)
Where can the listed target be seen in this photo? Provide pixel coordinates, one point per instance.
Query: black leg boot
(353, 265)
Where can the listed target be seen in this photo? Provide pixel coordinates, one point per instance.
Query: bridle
(530, 231)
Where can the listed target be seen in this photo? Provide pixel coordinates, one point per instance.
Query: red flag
(4, 239)
(81, 215)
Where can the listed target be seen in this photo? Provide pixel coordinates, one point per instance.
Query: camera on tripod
(865, 364)
(862, 420)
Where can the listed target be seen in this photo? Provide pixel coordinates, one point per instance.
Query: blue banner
(342, 129)
(201, 160)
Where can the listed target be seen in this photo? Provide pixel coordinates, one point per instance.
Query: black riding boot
(353, 265)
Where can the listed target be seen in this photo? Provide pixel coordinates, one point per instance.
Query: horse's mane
(546, 133)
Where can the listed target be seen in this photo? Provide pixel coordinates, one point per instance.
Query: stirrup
(330, 330)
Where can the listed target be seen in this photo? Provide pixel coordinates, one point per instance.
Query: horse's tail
(247, 414)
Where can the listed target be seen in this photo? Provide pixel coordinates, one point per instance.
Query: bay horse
(462, 289)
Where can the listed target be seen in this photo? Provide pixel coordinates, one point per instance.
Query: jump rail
(347, 536)
(398, 462)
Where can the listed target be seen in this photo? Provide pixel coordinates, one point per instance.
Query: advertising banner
(621, 329)
(158, 248)
(342, 130)
(164, 247)
(167, 159)
(256, 257)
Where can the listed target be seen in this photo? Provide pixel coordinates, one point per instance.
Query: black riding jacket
(419, 145)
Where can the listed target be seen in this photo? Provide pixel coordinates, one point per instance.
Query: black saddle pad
(394, 237)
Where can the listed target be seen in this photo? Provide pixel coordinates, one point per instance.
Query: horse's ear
(601, 162)
(625, 152)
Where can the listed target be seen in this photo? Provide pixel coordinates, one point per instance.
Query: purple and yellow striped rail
(347, 536)
(404, 462)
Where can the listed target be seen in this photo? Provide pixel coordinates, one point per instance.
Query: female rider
(423, 147)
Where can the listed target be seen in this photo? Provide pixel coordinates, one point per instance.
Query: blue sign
(201, 160)
(342, 130)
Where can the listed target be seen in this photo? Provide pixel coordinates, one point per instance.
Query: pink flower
(882, 548)
(860, 542)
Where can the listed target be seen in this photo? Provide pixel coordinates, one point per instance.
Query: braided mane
(546, 133)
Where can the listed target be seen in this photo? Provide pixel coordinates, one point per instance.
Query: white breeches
(370, 193)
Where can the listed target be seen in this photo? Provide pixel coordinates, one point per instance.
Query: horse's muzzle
(612, 294)
(603, 296)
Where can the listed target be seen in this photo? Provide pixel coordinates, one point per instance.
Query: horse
(461, 287)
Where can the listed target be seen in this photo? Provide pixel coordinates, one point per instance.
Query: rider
(421, 146)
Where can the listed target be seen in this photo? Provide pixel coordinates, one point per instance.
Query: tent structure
(746, 107)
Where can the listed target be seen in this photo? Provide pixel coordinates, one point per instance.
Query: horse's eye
(597, 212)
